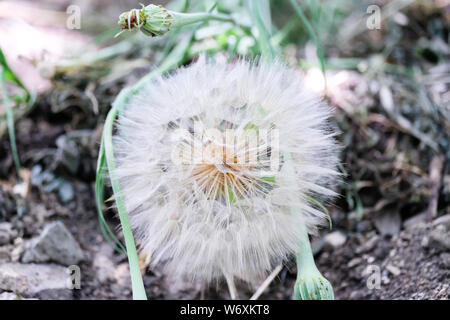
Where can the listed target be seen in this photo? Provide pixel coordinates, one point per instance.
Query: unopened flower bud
(311, 285)
(156, 20)
(151, 20)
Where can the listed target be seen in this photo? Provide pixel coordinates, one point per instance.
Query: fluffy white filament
(202, 215)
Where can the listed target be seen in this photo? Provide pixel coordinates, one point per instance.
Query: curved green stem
(255, 8)
(182, 19)
(304, 257)
(133, 260)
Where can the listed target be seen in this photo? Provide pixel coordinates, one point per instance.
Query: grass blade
(9, 75)
(311, 33)
(323, 208)
(99, 196)
(10, 120)
(256, 8)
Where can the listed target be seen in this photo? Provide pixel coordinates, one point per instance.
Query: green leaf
(9, 75)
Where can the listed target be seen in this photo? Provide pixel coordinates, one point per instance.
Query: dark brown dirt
(409, 269)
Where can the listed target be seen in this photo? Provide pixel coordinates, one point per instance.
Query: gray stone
(357, 295)
(424, 242)
(368, 245)
(9, 296)
(445, 259)
(12, 296)
(17, 250)
(46, 181)
(410, 223)
(7, 233)
(334, 240)
(388, 223)
(5, 252)
(393, 269)
(354, 262)
(66, 192)
(32, 279)
(439, 240)
(443, 221)
(104, 265)
(55, 244)
(54, 294)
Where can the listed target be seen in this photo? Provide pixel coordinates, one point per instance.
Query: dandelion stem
(304, 257)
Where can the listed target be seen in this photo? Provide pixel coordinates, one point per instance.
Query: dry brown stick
(435, 178)
(267, 282)
(231, 287)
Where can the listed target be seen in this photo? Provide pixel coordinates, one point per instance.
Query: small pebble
(393, 269)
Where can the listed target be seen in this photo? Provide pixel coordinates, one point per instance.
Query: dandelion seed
(203, 172)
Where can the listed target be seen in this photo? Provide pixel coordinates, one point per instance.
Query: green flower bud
(155, 20)
(151, 20)
(311, 285)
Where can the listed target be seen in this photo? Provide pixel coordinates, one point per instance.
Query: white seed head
(201, 160)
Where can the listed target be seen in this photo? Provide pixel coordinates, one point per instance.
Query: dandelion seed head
(203, 167)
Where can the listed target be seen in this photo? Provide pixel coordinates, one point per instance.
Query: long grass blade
(256, 9)
(10, 121)
(99, 196)
(9, 75)
(312, 34)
